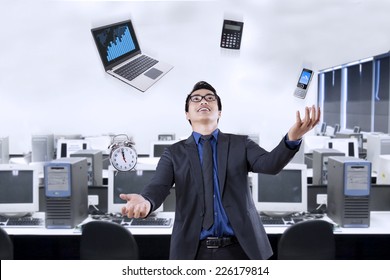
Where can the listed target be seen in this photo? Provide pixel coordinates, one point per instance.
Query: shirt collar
(198, 135)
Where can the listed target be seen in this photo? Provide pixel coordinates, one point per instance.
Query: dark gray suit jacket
(237, 155)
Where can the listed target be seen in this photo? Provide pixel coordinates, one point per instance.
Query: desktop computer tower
(66, 192)
(320, 164)
(4, 149)
(42, 148)
(95, 165)
(349, 184)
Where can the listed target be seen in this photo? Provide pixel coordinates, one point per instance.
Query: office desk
(42, 243)
(379, 224)
(42, 231)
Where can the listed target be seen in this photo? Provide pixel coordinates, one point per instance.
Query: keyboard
(280, 220)
(297, 220)
(21, 222)
(135, 67)
(148, 222)
(267, 220)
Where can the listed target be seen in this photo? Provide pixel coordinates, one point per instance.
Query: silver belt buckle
(213, 242)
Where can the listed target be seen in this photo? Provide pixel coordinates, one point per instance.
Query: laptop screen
(116, 43)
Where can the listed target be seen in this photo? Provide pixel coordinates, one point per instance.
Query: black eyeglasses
(208, 97)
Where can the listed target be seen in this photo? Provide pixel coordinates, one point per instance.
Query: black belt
(219, 242)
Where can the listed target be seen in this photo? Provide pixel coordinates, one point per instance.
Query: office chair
(308, 240)
(6, 246)
(104, 240)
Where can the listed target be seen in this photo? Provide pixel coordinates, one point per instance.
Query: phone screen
(304, 79)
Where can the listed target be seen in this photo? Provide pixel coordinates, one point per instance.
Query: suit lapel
(223, 150)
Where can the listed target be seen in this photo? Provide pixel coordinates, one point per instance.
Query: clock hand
(123, 155)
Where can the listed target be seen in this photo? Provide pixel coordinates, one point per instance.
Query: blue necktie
(208, 184)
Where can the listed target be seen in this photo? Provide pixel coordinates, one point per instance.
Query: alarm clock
(123, 156)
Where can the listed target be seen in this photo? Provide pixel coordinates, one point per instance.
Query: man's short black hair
(203, 85)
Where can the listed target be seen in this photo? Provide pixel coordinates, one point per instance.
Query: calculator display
(233, 27)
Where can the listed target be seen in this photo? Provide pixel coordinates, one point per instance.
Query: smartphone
(303, 83)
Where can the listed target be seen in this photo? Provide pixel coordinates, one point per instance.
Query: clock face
(123, 158)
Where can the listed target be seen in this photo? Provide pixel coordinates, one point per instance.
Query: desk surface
(379, 224)
(77, 231)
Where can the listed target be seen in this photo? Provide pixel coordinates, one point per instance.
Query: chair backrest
(6, 246)
(308, 240)
(104, 240)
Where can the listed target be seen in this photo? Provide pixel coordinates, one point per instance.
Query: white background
(277, 269)
(52, 79)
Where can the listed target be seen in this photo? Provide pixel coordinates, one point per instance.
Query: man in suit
(234, 229)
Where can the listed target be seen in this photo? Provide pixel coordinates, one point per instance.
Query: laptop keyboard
(135, 67)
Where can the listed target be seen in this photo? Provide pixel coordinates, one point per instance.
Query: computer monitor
(383, 173)
(42, 148)
(252, 136)
(19, 189)
(66, 147)
(158, 147)
(283, 193)
(348, 134)
(312, 142)
(348, 146)
(360, 139)
(95, 165)
(377, 145)
(336, 128)
(66, 136)
(255, 138)
(4, 149)
(323, 128)
(127, 182)
(356, 129)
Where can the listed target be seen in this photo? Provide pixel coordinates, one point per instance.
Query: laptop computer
(122, 57)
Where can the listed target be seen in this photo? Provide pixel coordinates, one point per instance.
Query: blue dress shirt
(221, 226)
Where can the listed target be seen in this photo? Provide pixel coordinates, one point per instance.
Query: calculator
(231, 34)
